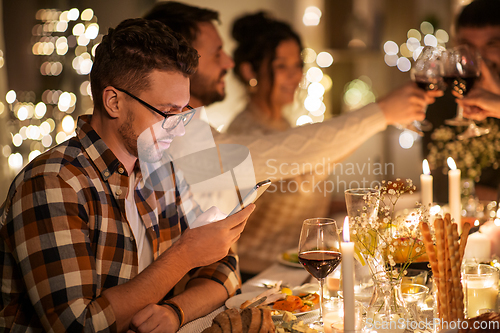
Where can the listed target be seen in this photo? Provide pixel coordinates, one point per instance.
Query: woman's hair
(258, 35)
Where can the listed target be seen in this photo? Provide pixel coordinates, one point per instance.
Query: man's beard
(204, 89)
(128, 135)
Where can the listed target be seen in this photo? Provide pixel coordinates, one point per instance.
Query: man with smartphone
(85, 244)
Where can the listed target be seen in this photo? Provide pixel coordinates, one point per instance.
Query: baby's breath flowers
(471, 155)
(384, 239)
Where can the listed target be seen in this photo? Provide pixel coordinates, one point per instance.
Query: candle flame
(451, 163)
(425, 167)
(346, 230)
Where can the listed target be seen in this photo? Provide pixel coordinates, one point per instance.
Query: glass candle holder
(480, 285)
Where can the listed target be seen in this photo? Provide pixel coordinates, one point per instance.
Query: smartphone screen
(252, 196)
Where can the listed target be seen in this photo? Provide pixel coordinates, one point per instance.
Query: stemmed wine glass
(319, 252)
(426, 73)
(460, 69)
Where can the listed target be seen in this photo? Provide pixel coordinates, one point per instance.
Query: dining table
(289, 275)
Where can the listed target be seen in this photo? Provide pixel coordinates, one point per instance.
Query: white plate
(235, 301)
(286, 262)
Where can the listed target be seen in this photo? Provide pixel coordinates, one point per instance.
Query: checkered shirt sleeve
(64, 237)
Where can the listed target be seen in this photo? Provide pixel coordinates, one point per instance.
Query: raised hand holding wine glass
(460, 69)
(426, 73)
(319, 252)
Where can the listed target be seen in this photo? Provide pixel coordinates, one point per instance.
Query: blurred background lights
(44, 128)
(414, 33)
(60, 137)
(442, 36)
(308, 55)
(83, 40)
(358, 93)
(314, 74)
(417, 52)
(17, 140)
(61, 26)
(85, 88)
(87, 14)
(2, 107)
(33, 154)
(326, 82)
(40, 110)
(430, 40)
(404, 65)
(312, 103)
(320, 111)
(405, 52)
(47, 141)
(412, 44)
(391, 59)
(407, 139)
(304, 119)
(6, 151)
(23, 131)
(92, 31)
(312, 16)
(68, 124)
(324, 59)
(391, 47)
(85, 67)
(15, 161)
(10, 97)
(22, 113)
(426, 28)
(315, 89)
(64, 101)
(78, 29)
(73, 14)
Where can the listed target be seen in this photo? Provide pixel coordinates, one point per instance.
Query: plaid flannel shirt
(65, 238)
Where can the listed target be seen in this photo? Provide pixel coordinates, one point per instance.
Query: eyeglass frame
(180, 116)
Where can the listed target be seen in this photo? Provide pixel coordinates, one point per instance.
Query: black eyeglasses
(171, 120)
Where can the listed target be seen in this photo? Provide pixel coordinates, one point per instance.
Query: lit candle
(348, 279)
(454, 193)
(426, 185)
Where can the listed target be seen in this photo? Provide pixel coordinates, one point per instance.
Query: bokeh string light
(64, 43)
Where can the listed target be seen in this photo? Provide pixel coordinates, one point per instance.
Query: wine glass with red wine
(319, 252)
(460, 69)
(426, 73)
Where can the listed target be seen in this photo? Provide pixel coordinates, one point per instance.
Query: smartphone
(251, 196)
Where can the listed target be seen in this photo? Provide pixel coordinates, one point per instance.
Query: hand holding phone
(252, 196)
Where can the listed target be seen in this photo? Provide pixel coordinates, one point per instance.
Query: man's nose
(179, 130)
(227, 62)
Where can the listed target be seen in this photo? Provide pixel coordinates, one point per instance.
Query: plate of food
(290, 258)
(298, 300)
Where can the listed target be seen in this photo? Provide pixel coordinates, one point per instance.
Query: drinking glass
(426, 73)
(319, 252)
(460, 69)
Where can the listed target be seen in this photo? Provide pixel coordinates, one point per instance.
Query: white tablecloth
(289, 275)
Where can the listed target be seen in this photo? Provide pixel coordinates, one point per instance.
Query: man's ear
(247, 71)
(110, 101)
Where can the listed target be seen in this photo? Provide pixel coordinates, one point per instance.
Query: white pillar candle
(478, 247)
(348, 279)
(454, 193)
(426, 185)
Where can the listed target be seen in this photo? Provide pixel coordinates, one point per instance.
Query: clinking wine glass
(426, 73)
(319, 252)
(460, 69)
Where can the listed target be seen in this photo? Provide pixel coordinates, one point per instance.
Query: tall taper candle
(454, 193)
(348, 279)
(426, 185)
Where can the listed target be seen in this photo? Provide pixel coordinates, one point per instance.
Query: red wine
(427, 84)
(461, 85)
(320, 263)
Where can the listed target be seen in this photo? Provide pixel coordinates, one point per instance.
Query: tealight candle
(454, 193)
(348, 279)
(426, 185)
